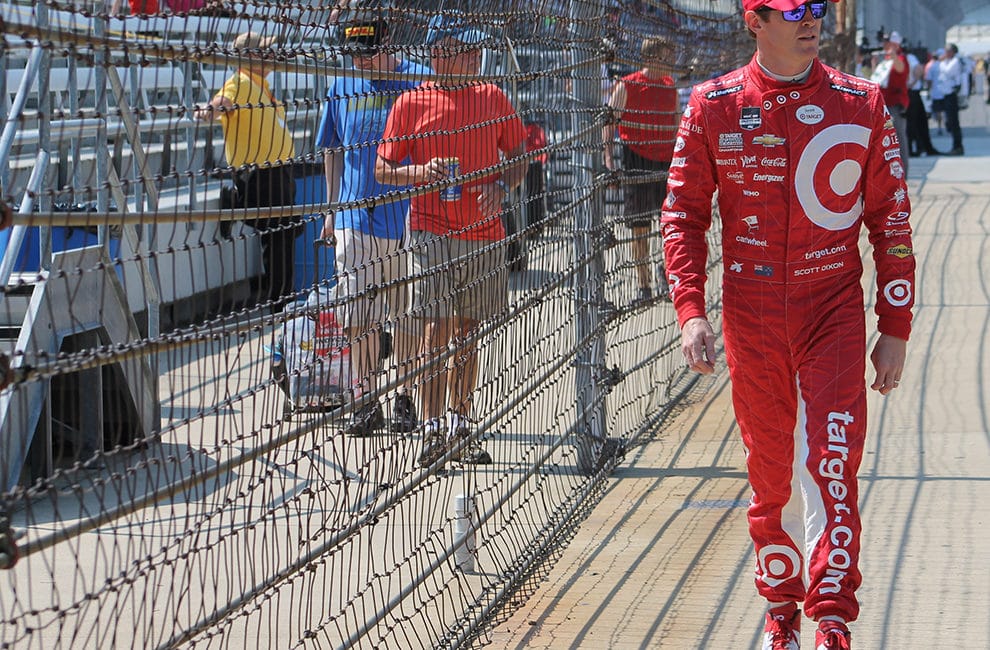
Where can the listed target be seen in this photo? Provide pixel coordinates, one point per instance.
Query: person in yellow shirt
(260, 152)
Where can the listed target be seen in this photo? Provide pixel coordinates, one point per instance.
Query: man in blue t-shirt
(371, 264)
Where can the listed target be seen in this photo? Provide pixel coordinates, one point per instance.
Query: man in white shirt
(952, 82)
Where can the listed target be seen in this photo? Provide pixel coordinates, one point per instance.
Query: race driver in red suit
(802, 157)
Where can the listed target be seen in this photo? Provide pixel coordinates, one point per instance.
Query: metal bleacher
(81, 138)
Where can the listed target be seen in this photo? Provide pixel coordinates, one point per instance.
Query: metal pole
(589, 279)
(465, 525)
(14, 117)
(27, 206)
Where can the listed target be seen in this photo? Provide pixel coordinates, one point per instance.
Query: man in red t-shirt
(646, 107)
(892, 75)
(443, 130)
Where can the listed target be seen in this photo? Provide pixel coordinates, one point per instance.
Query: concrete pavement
(665, 561)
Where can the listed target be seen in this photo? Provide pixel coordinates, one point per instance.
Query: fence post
(588, 257)
(465, 526)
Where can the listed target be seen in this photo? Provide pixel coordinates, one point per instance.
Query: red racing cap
(781, 5)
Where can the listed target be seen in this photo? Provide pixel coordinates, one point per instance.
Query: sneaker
(474, 453)
(956, 151)
(403, 414)
(782, 630)
(832, 635)
(365, 421)
(434, 444)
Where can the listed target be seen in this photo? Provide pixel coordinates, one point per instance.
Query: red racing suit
(799, 169)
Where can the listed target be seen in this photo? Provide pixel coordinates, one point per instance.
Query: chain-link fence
(222, 433)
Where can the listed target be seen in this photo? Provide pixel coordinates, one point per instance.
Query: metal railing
(235, 521)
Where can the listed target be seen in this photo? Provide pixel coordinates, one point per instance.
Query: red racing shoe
(783, 628)
(832, 635)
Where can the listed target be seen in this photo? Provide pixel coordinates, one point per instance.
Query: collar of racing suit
(796, 79)
(765, 81)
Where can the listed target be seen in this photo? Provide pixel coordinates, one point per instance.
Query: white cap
(895, 38)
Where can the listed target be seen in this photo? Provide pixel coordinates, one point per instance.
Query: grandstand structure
(156, 491)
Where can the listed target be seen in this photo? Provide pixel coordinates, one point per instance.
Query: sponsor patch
(722, 92)
(898, 292)
(752, 221)
(780, 161)
(750, 118)
(736, 267)
(769, 140)
(730, 142)
(896, 170)
(679, 144)
(848, 91)
(890, 154)
(901, 251)
(768, 178)
(749, 161)
(752, 241)
(738, 177)
(726, 162)
(897, 218)
(763, 270)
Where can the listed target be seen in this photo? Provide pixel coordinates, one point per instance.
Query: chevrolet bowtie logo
(768, 140)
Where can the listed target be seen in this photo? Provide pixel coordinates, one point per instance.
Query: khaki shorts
(475, 286)
(367, 270)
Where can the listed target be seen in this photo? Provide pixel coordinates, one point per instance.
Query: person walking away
(450, 128)
(796, 152)
(370, 249)
(260, 151)
(646, 107)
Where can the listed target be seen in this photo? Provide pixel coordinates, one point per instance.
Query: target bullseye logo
(778, 564)
(827, 176)
(898, 292)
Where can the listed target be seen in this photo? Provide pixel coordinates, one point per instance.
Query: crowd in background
(921, 85)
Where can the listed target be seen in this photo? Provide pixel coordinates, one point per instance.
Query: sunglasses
(818, 10)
